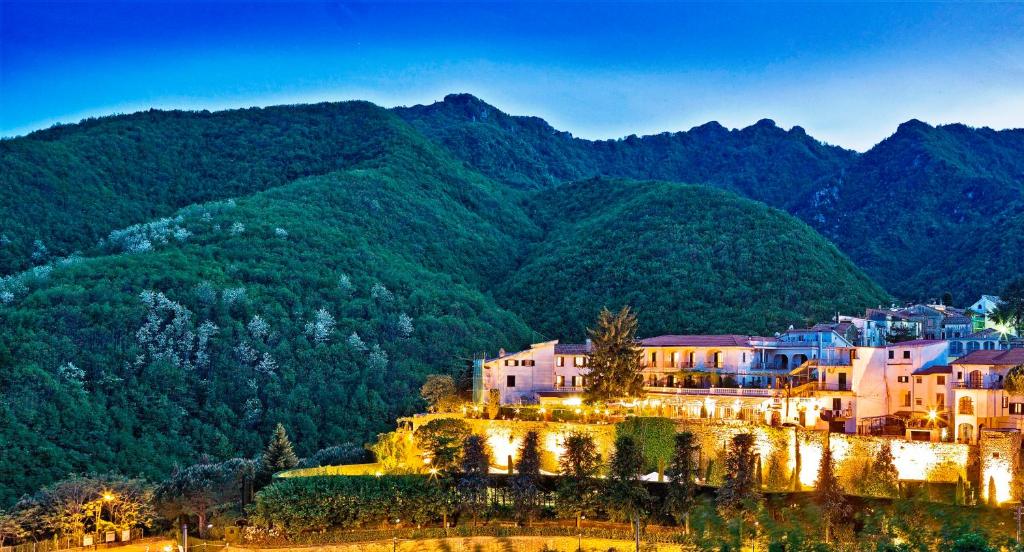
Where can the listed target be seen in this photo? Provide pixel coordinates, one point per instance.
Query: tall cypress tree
(626, 495)
(828, 493)
(739, 496)
(615, 358)
(577, 488)
(680, 495)
(475, 474)
(526, 483)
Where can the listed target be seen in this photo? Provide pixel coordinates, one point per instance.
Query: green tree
(440, 393)
(899, 334)
(884, 477)
(656, 437)
(680, 494)
(526, 491)
(1012, 298)
(739, 496)
(195, 491)
(578, 488)
(443, 440)
(475, 475)
(626, 497)
(614, 365)
(278, 455)
(828, 493)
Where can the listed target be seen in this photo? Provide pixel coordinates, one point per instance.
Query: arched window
(972, 346)
(956, 347)
(966, 406)
(989, 345)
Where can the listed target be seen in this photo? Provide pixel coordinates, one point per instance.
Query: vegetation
(440, 393)
(475, 474)
(740, 495)
(578, 489)
(278, 456)
(680, 496)
(828, 494)
(179, 283)
(655, 436)
(526, 491)
(443, 439)
(614, 363)
(625, 495)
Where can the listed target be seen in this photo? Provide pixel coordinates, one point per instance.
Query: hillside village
(922, 372)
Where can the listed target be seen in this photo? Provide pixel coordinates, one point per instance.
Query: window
(528, 363)
(892, 355)
(906, 398)
(1006, 401)
(577, 381)
(744, 357)
(906, 354)
(940, 400)
(903, 379)
(940, 380)
(959, 376)
(559, 381)
(654, 358)
(919, 401)
(837, 403)
(511, 363)
(560, 361)
(966, 406)
(510, 381)
(577, 361)
(918, 379)
(1017, 409)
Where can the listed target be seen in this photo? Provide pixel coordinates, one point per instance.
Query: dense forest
(929, 210)
(175, 284)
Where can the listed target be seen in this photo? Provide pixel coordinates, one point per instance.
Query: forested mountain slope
(343, 257)
(933, 209)
(68, 186)
(762, 161)
(689, 259)
(929, 210)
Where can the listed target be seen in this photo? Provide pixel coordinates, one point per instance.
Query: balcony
(725, 391)
(827, 386)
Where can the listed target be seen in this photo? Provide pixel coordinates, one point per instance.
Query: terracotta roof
(697, 341)
(993, 357)
(936, 369)
(916, 343)
(572, 348)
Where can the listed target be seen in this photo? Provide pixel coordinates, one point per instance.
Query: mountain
(211, 274)
(929, 210)
(689, 259)
(762, 161)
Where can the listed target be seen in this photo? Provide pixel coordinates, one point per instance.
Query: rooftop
(1010, 357)
(916, 343)
(936, 369)
(697, 341)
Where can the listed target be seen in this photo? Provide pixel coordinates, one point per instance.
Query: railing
(568, 388)
(730, 391)
(978, 385)
(826, 386)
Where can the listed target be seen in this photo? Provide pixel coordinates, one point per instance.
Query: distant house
(988, 339)
(929, 318)
(877, 324)
(955, 326)
(981, 309)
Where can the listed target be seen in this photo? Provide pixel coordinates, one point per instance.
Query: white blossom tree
(321, 327)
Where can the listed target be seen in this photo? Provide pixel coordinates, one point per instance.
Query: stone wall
(776, 447)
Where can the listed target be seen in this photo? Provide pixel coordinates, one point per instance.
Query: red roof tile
(697, 341)
(993, 357)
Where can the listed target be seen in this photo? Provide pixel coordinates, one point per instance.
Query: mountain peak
(913, 125)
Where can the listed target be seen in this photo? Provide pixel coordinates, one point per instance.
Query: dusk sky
(849, 74)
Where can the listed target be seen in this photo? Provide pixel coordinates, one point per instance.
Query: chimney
(588, 343)
(501, 352)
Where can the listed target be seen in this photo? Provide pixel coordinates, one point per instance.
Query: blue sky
(848, 73)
